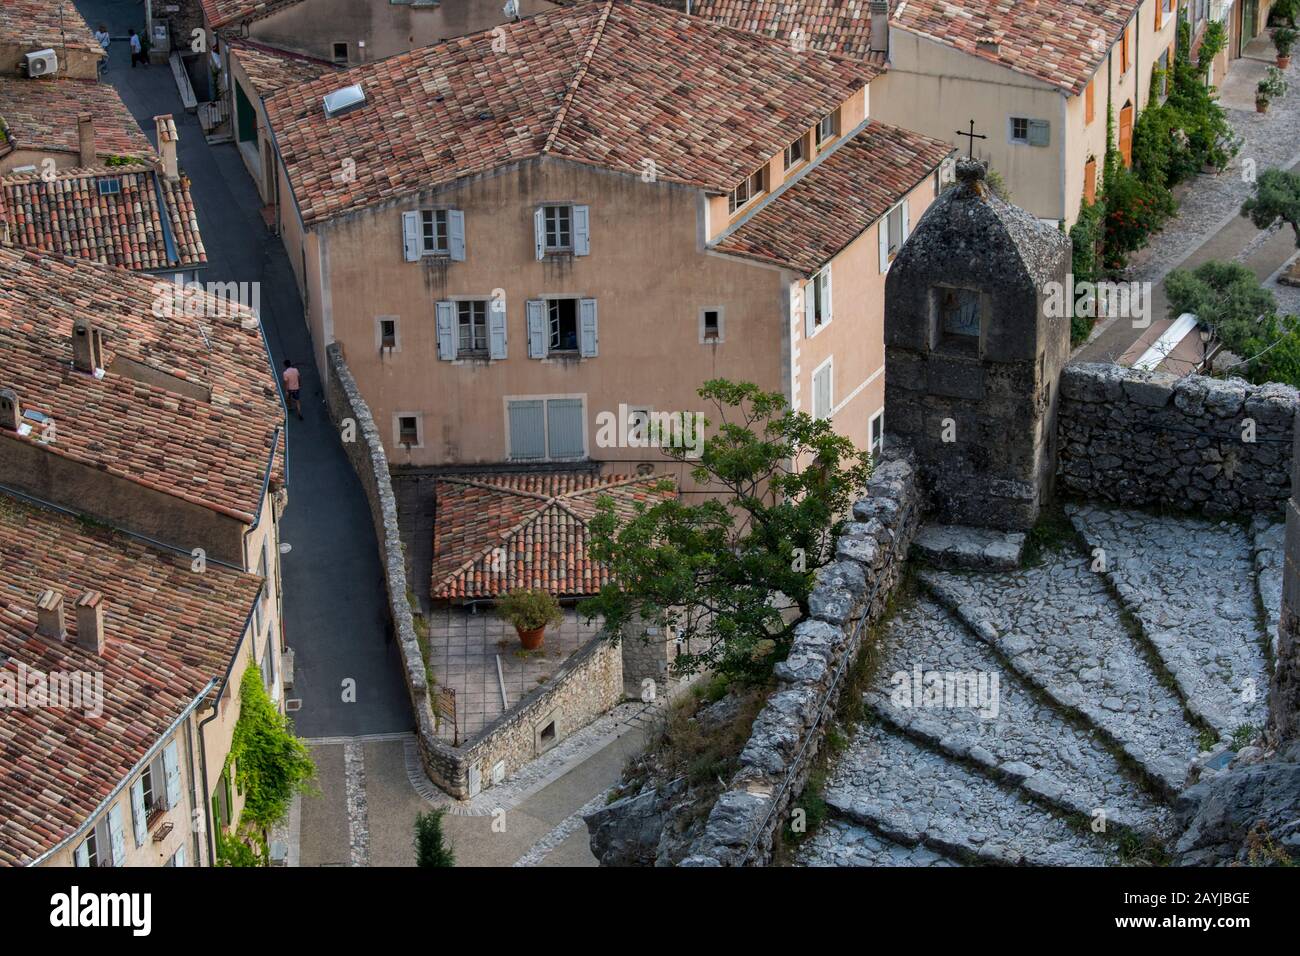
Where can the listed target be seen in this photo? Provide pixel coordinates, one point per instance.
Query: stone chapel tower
(973, 354)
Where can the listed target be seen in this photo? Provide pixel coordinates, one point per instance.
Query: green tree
(723, 571)
(430, 847)
(271, 764)
(1277, 196)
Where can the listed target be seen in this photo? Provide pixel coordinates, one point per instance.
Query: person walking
(293, 386)
(137, 51)
(102, 35)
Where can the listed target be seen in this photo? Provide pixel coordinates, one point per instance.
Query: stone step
(914, 796)
(1018, 735)
(837, 843)
(1058, 628)
(958, 546)
(1190, 583)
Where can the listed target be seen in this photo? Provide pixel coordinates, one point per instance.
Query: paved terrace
(1112, 678)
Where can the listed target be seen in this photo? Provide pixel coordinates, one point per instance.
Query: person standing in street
(293, 387)
(102, 35)
(137, 51)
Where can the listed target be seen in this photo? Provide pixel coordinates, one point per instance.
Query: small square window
(712, 325)
(1019, 129)
(408, 430)
(388, 333)
(747, 190)
(828, 128)
(559, 228)
(340, 52)
(794, 153)
(110, 187)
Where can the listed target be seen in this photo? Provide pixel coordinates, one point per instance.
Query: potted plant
(1283, 39)
(1273, 86)
(530, 610)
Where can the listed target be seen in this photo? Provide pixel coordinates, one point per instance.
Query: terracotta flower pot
(1283, 61)
(531, 640)
(1261, 106)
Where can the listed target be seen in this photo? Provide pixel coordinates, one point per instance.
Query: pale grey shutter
(446, 328)
(456, 234)
(882, 228)
(565, 427)
(810, 308)
(137, 810)
(588, 341)
(907, 223)
(81, 856)
(412, 236)
(536, 328)
(828, 300)
(539, 231)
(115, 836)
(822, 393)
(496, 330)
(527, 429)
(172, 771)
(180, 855)
(581, 231)
(1040, 132)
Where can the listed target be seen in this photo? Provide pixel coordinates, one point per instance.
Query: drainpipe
(203, 785)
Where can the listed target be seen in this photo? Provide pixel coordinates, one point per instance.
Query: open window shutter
(137, 811)
(496, 330)
(588, 344)
(581, 231)
(882, 229)
(412, 236)
(456, 234)
(809, 308)
(907, 224)
(115, 836)
(828, 301)
(446, 328)
(536, 328)
(172, 771)
(539, 231)
(1040, 132)
(180, 855)
(81, 856)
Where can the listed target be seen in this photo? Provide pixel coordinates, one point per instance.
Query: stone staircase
(1049, 714)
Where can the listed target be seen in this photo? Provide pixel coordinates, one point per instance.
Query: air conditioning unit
(42, 63)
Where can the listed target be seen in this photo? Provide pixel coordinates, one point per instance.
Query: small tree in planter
(1272, 87)
(1283, 40)
(530, 610)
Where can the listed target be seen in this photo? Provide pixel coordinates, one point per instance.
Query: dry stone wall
(1221, 447)
(851, 592)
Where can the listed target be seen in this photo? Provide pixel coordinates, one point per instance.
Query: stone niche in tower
(972, 356)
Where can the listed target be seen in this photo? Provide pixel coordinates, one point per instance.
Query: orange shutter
(1090, 101)
(1123, 51)
(1126, 134)
(1160, 12)
(1090, 181)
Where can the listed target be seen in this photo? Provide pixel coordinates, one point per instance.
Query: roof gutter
(121, 785)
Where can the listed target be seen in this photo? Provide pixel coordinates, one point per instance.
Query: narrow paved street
(334, 613)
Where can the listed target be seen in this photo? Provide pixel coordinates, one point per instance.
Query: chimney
(167, 138)
(49, 614)
(11, 413)
(880, 26)
(90, 622)
(86, 139)
(87, 346)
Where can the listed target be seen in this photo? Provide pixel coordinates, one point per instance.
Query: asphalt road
(334, 604)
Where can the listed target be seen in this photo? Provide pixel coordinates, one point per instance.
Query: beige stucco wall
(386, 29)
(73, 64)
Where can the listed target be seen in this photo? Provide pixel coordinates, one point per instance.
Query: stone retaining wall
(852, 592)
(585, 686)
(1152, 438)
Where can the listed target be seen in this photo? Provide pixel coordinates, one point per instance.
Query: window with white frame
(711, 325)
(562, 326)
(546, 428)
(893, 230)
(877, 433)
(796, 152)
(436, 233)
(562, 229)
(386, 332)
(407, 427)
(819, 291)
(562, 323)
(828, 128)
(559, 228)
(471, 326)
(1029, 132)
(747, 190)
(823, 390)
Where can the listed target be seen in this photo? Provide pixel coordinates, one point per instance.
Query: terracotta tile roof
(42, 115)
(220, 12)
(1061, 42)
(611, 84)
(167, 630)
(539, 519)
(270, 69)
(174, 438)
(808, 222)
(38, 22)
(836, 26)
(149, 224)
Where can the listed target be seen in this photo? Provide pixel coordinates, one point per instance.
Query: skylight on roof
(110, 187)
(345, 100)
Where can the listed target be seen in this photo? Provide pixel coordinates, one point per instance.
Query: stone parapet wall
(589, 683)
(851, 593)
(1155, 439)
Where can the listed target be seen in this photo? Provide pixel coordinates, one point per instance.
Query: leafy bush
(1085, 239)
(271, 764)
(530, 608)
(1135, 209)
(1283, 40)
(1273, 86)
